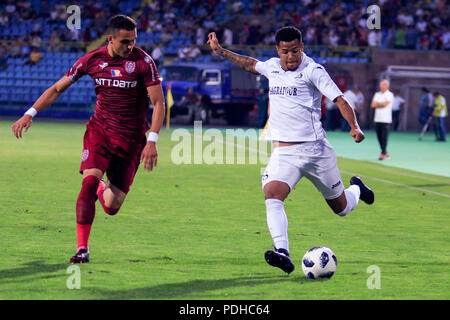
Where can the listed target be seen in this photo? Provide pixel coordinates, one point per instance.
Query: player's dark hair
(121, 22)
(288, 34)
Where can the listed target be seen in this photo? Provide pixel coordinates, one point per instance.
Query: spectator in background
(269, 39)
(389, 38)
(54, 14)
(183, 52)
(200, 36)
(166, 35)
(424, 42)
(446, 39)
(374, 38)
(35, 56)
(74, 35)
(421, 25)
(36, 41)
(192, 101)
(10, 8)
(158, 56)
(331, 115)
(396, 109)
(359, 99)
(333, 38)
(411, 37)
(227, 36)
(352, 96)
(4, 20)
(36, 27)
(400, 40)
(382, 103)
(426, 99)
(192, 52)
(439, 114)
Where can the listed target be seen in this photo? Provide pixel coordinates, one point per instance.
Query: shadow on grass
(30, 269)
(193, 287)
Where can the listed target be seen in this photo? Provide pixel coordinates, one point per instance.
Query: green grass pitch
(199, 231)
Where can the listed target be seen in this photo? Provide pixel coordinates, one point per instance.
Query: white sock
(352, 194)
(277, 223)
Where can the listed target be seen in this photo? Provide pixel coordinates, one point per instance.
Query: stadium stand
(334, 32)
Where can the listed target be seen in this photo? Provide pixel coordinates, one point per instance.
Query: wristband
(31, 112)
(152, 136)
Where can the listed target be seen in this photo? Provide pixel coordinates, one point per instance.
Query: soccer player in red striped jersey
(126, 80)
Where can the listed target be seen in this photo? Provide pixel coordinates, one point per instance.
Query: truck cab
(226, 90)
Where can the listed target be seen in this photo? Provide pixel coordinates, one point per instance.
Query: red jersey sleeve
(149, 72)
(78, 69)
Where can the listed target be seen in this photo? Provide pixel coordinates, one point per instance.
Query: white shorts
(316, 160)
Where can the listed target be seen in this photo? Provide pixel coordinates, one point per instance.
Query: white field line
(398, 184)
(354, 174)
(394, 171)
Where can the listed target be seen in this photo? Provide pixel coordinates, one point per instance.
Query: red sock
(83, 231)
(86, 209)
(100, 190)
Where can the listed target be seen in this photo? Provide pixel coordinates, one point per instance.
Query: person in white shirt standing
(296, 85)
(353, 97)
(382, 103)
(396, 109)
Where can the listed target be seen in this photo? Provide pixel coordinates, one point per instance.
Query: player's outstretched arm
(46, 99)
(244, 62)
(149, 156)
(349, 115)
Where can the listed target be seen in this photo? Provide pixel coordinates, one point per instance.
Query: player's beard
(292, 65)
(121, 53)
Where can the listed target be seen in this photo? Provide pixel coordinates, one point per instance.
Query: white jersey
(295, 99)
(397, 102)
(383, 115)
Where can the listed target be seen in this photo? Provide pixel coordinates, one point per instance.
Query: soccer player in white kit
(296, 85)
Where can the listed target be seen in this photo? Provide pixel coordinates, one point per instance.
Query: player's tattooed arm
(244, 62)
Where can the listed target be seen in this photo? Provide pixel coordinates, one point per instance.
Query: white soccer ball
(319, 262)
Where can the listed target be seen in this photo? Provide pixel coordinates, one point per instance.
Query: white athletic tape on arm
(152, 136)
(31, 112)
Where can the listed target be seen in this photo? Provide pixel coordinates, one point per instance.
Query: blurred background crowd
(175, 25)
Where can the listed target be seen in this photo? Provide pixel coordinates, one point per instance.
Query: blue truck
(226, 91)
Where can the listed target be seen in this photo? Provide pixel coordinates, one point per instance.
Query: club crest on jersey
(130, 66)
(84, 155)
(115, 73)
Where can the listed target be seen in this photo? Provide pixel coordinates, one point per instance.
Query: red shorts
(119, 157)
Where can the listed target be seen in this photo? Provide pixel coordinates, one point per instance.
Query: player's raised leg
(275, 194)
(121, 173)
(110, 197)
(350, 197)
